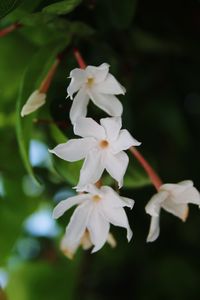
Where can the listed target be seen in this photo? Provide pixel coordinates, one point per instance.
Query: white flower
(35, 101)
(101, 146)
(173, 198)
(85, 242)
(97, 84)
(95, 212)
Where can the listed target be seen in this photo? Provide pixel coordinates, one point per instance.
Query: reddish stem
(47, 80)
(9, 29)
(155, 179)
(79, 59)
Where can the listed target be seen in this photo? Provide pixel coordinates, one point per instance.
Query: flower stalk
(9, 29)
(155, 179)
(48, 79)
(79, 59)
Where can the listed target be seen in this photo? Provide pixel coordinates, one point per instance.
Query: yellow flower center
(90, 81)
(103, 144)
(96, 198)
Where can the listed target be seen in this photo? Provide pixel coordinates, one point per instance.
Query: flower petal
(79, 106)
(112, 127)
(77, 225)
(77, 80)
(191, 195)
(110, 86)
(177, 188)
(99, 73)
(113, 199)
(124, 141)
(35, 101)
(68, 249)
(99, 229)
(75, 149)
(128, 202)
(108, 103)
(87, 127)
(117, 217)
(116, 166)
(178, 210)
(153, 206)
(91, 170)
(64, 205)
(154, 229)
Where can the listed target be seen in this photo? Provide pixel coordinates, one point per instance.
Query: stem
(9, 29)
(79, 59)
(155, 179)
(47, 80)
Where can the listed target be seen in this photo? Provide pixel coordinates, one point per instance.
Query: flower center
(96, 198)
(90, 81)
(103, 144)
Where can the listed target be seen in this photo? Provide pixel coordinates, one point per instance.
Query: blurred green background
(153, 48)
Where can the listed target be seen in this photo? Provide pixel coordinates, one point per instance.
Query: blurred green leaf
(33, 76)
(44, 280)
(62, 7)
(7, 6)
(15, 207)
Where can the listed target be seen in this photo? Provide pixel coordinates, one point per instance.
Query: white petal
(99, 73)
(64, 205)
(35, 101)
(77, 80)
(116, 166)
(79, 106)
(67, 248)
(87, 127)
(128, 202)
(78, 224)
(110, 86)
(112, 127)
(178, 210)
(117, 217)
(177, 188)
(75, 149)
(91, 170)
(113, 199)
(108, 103)
(191, 195)
(99, 229)
(154, 229)
(153, 206)
(124, 141)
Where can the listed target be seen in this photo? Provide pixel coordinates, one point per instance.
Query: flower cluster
(102, 147)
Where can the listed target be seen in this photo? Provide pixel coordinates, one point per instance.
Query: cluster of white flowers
(102, 147)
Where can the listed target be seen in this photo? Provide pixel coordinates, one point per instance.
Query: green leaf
(15, 207)
(33, 76)
(44, 280)
(7, 6)
(62, 7)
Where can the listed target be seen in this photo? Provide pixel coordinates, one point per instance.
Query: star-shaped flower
(97, 84)
(102, 147)
(95, 212)
(173, 198)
